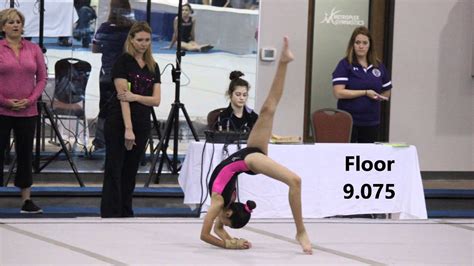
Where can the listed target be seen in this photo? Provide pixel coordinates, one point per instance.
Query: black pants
(365, 134)
(121, 168)
(24, 132)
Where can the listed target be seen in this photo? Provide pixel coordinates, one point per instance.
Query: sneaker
(64, 41)
(30, 207)
(206, 48)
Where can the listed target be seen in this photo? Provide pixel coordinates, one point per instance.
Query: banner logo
(337, 19)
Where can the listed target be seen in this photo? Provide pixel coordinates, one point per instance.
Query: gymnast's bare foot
(286, 54)
(303, 239)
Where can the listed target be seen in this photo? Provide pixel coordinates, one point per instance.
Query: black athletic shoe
(206, 48)
(30, 207)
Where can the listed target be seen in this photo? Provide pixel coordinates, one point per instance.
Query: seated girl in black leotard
(252, 160)
(237, 116)
(188, 41)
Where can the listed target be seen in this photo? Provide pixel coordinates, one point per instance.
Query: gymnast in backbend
(252, 160)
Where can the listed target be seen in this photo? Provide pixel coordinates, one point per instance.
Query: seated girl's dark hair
(190, 8)
(235, 75)
(241, 213)
(235, 80)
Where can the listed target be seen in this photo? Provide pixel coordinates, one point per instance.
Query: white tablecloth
(59, 17)
(322, 168)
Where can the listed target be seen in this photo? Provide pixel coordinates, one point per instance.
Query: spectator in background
(23, 79)
(220, 3)
(187, 32)
(360, 83)
(109, 40)
(83, 31)
(237, 116)
(241, 4)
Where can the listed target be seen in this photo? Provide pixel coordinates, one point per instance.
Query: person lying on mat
(253, 159)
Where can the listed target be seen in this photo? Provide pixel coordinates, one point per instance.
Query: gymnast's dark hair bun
(251, 204)
(235, 75)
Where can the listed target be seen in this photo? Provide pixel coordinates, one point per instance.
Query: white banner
(337, 179)
(59, 17)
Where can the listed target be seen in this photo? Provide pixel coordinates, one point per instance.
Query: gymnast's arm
(217, 203)
(220, 231)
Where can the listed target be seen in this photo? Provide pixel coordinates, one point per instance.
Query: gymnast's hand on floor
(237, 243)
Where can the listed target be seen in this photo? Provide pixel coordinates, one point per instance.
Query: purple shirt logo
(376, 72)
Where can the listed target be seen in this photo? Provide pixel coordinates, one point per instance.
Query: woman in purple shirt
(23, 76)
(252, 160)
(360, 83)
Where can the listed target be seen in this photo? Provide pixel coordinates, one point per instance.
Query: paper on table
(285, 139)
(395, 144)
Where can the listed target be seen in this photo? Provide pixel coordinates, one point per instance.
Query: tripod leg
(156, 125)
(10, 170)
(36, 162)
(151, 146)
(174, 162)
(162, 146)
(43, 133)
(190, 124)
(61, 141)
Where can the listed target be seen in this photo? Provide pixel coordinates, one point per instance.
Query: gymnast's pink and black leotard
(224, 176)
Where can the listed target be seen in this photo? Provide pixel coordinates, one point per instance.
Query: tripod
(173, 118)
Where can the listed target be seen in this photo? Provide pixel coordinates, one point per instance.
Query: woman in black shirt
(137, 81)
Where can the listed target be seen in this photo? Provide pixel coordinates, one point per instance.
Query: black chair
(68, 103)
(212, 118)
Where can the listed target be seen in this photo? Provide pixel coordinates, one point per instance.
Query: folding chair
(332, 125)
(212, 118)
(68, 103)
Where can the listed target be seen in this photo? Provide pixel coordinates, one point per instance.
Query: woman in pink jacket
(23, 76)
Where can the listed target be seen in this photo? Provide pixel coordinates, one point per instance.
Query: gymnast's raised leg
(259, 137)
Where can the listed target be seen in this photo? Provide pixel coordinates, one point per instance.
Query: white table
(322, 168)
(59, 17)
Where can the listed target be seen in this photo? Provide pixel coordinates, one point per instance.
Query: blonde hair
(8, 14)
(147, 57)
(372, 58)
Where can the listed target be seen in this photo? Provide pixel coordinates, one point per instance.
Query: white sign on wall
(338, 18)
